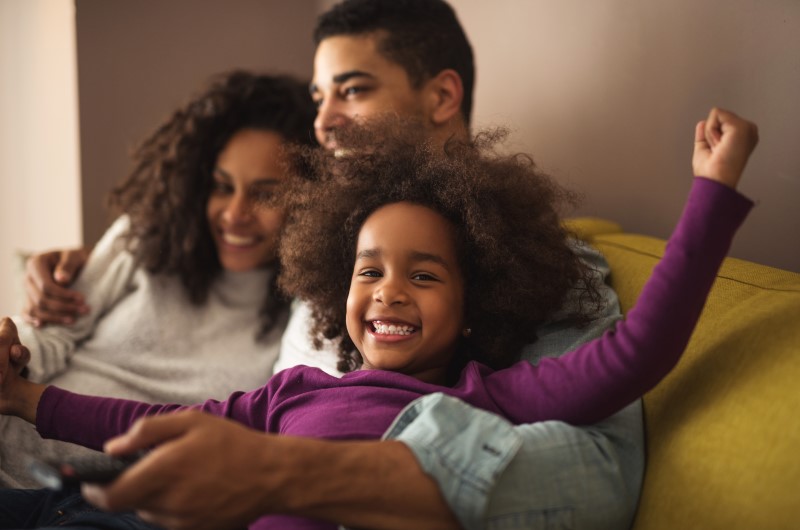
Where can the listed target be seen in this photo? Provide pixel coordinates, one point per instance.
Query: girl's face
(405, 310)
(247, 169)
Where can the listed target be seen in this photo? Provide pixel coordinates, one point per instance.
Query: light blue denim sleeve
(543, 475)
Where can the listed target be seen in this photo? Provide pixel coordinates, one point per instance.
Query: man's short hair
(422, 36)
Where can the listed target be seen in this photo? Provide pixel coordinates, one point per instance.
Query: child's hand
(722, 144)
(18, 396)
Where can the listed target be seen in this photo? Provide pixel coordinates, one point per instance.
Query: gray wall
(604, 93)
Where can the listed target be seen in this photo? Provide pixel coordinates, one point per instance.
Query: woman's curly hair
(166, 193)
(514, 253)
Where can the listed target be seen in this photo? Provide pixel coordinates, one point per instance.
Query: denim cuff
(462, 448)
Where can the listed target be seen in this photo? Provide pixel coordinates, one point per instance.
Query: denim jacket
(546, 475)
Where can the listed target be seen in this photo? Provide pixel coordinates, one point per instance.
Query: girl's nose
(390, 292)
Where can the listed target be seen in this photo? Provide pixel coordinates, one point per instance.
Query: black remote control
(98, 468)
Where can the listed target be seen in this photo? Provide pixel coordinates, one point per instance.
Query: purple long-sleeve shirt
(580, 387)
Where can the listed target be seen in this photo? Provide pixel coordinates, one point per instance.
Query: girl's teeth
(392, 329)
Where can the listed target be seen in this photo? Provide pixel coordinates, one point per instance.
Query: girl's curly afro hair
(514, 253)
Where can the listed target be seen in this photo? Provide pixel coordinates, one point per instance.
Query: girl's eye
(424, 277)
(370, 273)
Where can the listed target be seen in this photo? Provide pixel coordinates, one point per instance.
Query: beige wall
(606, 93)
(39, 179)
(139, 59)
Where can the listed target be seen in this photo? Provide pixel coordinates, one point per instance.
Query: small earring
(467, 332)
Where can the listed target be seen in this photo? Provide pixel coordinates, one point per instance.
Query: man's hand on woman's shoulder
(47, 277)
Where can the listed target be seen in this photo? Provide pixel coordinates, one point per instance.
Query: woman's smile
(240, 241)
(244, 231)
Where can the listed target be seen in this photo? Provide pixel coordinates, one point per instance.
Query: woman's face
(406, 302)
(247, 170)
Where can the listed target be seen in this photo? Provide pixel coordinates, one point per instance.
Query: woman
(181, 287)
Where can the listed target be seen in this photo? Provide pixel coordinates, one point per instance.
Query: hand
(46, 276)
(18, 396)
(722, 144)
(13, 355)
(207, 472)
(203, 474)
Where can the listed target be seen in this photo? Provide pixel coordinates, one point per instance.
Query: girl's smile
(406, 301)
(390, 330)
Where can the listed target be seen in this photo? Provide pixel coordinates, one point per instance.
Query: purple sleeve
(90, 420)
(606, 374)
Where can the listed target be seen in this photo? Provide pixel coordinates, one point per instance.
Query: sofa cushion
(723, 429)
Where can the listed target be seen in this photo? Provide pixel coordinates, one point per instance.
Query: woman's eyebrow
(265, 181)
(221, 172)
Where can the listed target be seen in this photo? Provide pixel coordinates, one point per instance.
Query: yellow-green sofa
(723, 429)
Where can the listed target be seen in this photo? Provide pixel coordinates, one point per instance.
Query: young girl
(424, 250)
(182, 285)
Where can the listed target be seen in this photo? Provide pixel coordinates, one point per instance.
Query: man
(453, 465)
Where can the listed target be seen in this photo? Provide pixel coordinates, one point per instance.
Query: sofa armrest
(587, 228)
(722, 429)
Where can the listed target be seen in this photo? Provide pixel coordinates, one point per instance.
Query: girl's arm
(18, 396)
(604, 375)
(91, 420)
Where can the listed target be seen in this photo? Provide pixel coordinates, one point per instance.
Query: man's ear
(445, 94)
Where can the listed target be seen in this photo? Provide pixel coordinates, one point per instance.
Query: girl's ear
(445, 93)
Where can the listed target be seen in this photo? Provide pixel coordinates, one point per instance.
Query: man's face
(354, 82)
